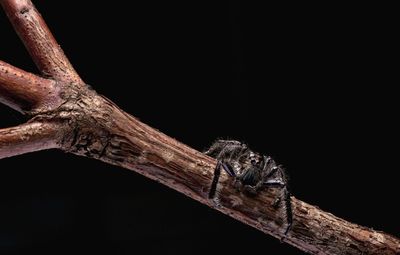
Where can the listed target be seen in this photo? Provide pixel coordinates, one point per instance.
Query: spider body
(251, 172)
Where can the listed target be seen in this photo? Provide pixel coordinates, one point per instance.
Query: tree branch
(29, 137)
(117, 138)
(39, 41)
(90, 125)
(24, 91)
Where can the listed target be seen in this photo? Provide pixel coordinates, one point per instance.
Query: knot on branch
(88, 117)
(85, 118)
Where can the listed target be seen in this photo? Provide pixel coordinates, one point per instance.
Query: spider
(251, 172)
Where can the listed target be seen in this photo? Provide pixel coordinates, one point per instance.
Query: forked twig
(67, 115)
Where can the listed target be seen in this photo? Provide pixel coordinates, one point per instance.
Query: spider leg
(225, 149)
(228, 169)
(275, 183)
(276, 177)
(218, 145)
(267, 170)
(253, 189)
(289, 213)
(284, 200)
(217, 173)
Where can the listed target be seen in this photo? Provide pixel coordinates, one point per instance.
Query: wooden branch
(119, 139)
(29, 137)
(24, 91)
(39, 41)
(87, 124)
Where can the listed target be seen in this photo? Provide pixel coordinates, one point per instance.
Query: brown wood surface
(78, 120)
(28, 137)
(24, 91)
(39, 41)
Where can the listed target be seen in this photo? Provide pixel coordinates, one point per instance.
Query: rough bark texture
(78, 120)
(115, 137)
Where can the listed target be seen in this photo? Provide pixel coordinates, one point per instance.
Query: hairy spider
(251, 172)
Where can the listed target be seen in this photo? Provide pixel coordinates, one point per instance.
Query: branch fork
(66, 114)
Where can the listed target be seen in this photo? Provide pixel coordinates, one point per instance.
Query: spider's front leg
(223, 151)
(275, 176)
(217, 173)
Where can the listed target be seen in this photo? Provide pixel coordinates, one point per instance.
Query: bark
(100, 130)
(39, 41)
(26, 92)
(29, 137)
(82, 122)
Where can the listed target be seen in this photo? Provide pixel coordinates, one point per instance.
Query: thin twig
(29, 137)
(24, 91)
(95, 127)
(39, 41)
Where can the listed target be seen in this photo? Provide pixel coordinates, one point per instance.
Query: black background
(313, 86)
